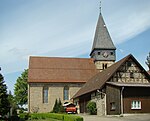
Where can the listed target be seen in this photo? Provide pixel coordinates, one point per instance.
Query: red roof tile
(52, 69)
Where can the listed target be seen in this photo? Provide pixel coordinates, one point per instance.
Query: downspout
(122, 101)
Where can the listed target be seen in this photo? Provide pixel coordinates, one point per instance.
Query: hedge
(72, 118)
(46, 115)
(62, 117)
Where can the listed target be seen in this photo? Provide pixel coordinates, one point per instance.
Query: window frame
(66, 91)
(136, 105)
(45, 95)
(112, 106)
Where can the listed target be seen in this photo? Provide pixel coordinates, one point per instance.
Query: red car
(71, 108)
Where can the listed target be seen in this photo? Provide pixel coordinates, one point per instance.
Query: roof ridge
(65, 68)
(61, 57)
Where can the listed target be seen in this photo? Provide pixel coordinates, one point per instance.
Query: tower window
(111, 53)
(99, 53)
(104, 66)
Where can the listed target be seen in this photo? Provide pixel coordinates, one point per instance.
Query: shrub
(24, 116)
(58, 108)
(91, 107)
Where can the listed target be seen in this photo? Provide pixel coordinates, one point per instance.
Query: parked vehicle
(70, 108)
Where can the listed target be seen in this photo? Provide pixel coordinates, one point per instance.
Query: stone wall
(55, 91)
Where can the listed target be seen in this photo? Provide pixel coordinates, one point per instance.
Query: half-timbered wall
(129, 72)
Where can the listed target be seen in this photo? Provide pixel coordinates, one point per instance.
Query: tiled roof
(102, 39)
(99, 80)
(53, 69)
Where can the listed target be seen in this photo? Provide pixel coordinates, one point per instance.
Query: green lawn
(45, 120)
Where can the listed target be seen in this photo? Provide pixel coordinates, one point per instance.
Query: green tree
(148, 61)
(13, 105)
(56, 107)
(21, 89)
(4, 103)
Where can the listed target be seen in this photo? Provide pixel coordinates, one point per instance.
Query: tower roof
(102, 39)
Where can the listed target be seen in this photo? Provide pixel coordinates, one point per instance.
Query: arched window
(66, 93)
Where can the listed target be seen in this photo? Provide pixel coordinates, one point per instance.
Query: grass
(44, 120)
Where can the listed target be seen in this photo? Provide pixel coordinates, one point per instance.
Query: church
(117, 87)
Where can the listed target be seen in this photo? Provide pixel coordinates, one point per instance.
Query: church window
(45, 94)
(66, 93)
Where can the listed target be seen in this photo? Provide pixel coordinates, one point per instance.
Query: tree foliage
(148, 61)
(21, 87)
(4, 103)
(13, 104)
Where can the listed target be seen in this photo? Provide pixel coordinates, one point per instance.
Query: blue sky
(65, 28)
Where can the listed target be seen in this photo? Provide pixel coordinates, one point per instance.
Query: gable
(130, 72)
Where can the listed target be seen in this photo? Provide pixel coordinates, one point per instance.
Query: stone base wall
(55, 91)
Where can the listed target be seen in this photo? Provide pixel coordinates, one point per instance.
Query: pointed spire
(102, 39)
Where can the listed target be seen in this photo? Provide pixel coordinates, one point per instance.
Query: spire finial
(100, 6)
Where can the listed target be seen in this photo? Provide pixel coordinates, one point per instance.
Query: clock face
(105, 54)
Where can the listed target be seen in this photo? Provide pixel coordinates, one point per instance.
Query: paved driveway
(140, 117)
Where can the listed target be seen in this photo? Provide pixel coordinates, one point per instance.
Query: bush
(91, 107)
(24, 116)
(58, 108)
(72, 118)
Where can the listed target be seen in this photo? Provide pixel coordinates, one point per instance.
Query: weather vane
(100, 6)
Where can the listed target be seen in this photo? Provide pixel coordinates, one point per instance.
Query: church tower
(103, 49)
